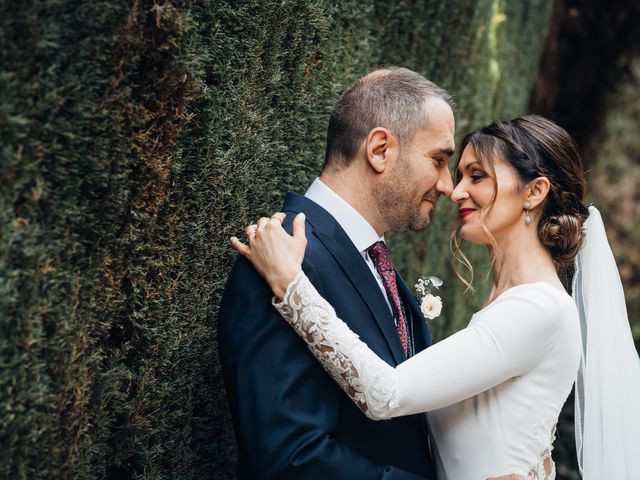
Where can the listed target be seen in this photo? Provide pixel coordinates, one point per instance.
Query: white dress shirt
(359, 231)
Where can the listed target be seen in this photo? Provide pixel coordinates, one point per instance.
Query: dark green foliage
(135, 138)
(614, 153)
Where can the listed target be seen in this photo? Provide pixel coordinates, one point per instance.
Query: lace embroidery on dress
(370, 382)
(545, 436)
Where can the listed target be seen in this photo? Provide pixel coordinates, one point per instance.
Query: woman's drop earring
(527, 218)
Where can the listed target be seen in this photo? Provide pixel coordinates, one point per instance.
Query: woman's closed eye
(477, 176)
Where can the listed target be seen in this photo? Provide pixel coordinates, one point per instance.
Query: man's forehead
(437, 139)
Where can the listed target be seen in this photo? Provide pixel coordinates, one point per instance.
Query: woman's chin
(468, 236)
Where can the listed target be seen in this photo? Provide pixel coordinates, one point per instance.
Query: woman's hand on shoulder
(276, 255)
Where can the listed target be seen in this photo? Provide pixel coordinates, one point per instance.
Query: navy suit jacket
(291, 420)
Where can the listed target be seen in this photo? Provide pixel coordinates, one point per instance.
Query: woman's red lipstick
(463, 212)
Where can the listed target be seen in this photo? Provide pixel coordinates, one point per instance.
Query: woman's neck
(520, 261)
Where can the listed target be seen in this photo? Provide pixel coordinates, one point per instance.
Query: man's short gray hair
(392, 98)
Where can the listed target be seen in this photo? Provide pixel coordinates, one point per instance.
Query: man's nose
(445, 184)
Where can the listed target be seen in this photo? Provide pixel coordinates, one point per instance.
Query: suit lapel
(333, 237)
(336, 241)
(356, 269)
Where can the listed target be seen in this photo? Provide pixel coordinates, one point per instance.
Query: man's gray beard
(392, 200)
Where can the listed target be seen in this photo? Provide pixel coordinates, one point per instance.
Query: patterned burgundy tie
(382, 261)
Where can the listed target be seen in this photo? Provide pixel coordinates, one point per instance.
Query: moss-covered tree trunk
(135, 137)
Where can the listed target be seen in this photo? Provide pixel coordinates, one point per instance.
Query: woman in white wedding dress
(493, 390)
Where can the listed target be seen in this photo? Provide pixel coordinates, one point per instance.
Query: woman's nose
(459, 193)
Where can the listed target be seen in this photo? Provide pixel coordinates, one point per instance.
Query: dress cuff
(281, 305)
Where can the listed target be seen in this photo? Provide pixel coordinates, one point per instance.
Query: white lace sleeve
(368, 380)
(506, 339)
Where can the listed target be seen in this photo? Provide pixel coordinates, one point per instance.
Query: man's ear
(537, 190)
(381, 149)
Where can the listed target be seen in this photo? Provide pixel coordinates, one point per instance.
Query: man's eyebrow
(447, 151)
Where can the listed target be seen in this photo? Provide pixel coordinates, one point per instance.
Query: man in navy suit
(389, 140)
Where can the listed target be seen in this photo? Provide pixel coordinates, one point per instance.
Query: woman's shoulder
(536, 301)
(529, 317)
(535, 290)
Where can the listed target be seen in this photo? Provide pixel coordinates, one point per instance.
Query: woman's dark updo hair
(537, 147)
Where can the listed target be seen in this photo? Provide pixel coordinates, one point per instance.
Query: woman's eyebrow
(468, 165)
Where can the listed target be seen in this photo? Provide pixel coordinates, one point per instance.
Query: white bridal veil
(607, 400)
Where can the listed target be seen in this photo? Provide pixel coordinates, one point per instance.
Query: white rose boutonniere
(431, 305)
